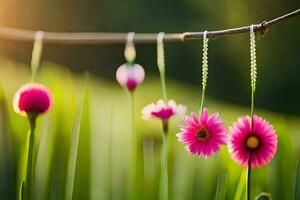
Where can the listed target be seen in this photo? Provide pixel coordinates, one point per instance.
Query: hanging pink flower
(162, 111)
(203, 135)
(32, 98)
(130, 76)
(261, 143)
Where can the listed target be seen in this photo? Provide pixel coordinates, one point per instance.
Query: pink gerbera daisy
(162, 111)
(32, 98)
(202, 135)
(259, 144)
(130, 76)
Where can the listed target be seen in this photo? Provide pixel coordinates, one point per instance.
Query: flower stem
(164, 164)
(249, 178)
(253, 76)
(202, 100)
(252, 109)
(30, 170)
(132, 119)
(134, 149)
(110, 155)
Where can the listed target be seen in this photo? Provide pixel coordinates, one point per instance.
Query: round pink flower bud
(130, 76)
(32, 98)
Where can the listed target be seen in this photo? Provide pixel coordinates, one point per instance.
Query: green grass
(101, 161)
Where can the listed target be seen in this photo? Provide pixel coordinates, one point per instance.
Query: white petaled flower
(162, 111)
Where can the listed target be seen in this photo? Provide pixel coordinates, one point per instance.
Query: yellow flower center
(252, 142)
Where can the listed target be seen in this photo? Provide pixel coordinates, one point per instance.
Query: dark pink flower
(162, 111)
(203, 135)
(261, 143)
(32, 98)
(130, 76)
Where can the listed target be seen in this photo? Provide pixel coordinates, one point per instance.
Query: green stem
(252, 108)
(134, 149)
(249, 159)
(30, 164)
(202, 100)
(249, 178)
(110, 155)
(164, 164)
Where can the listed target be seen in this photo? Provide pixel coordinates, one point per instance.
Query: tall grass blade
(23, 168)
(7, 175)
(284, 164)
(240, 192)
(44, 159)
(297, 181)
(84, 152)
(74, 148)
(221, 187)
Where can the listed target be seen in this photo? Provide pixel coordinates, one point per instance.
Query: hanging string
(36, 53)
(204, 68)
(253, 69)
(130, 52)
(161, 64)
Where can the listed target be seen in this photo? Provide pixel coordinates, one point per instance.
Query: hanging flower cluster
(251, 140)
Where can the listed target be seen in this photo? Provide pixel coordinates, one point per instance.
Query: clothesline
(15, 34)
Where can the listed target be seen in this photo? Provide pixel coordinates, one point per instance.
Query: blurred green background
(104, 150)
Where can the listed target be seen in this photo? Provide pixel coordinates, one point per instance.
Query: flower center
(202, 133)
(252, 142)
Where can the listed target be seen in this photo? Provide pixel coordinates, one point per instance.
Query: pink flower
(130, 76)
(162, 111)
(32, 98)
(261, 143)
(203, 135)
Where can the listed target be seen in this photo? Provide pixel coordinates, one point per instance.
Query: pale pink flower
(203, 135)
(130, 76)
(260, 144)
(162, 111)
(32, 98)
